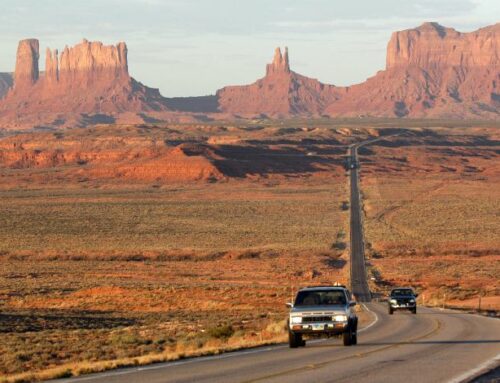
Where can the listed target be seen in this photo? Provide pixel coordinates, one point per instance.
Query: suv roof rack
(318, 286)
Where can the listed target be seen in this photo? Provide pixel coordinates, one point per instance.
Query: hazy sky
(193, 47)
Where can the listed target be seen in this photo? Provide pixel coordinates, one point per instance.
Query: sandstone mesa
(431, 71)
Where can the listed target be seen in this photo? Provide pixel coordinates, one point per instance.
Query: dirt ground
(432, 205)
(106, 263)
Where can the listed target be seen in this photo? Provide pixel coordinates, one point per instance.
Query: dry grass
(207, 218)
(59, 313)
(432, 204)
(108, 278)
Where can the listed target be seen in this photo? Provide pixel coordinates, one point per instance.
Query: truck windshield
(401, 292)
(320, 298)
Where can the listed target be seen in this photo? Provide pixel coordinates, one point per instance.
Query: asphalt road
(432, 346)
(359, 284)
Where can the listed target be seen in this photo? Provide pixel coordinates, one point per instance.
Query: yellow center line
(315, 366)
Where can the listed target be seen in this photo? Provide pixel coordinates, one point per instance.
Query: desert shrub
(23, 357)
(63, 374)
(221, 332)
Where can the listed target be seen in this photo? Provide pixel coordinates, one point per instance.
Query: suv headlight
(393, 301)
(340, 318)
(412, 300)
(296, 320)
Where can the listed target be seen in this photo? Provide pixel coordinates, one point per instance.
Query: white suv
(322, 311)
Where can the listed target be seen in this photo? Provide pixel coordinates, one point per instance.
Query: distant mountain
(5, 83)
(280, 93)
(87, 83)
(431, 71)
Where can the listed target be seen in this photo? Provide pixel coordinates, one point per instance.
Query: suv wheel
(414, 311)
(391, 311)
(347, 337)
(295, 340)
(355, 333)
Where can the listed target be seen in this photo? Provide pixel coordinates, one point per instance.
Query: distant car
(402, 298)
(322, 311)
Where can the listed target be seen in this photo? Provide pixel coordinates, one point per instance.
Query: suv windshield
(401, 292)
(320, 298)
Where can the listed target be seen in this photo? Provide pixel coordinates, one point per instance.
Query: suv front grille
(317, 319)
(403, 300)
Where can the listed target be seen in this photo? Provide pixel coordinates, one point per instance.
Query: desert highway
(432, 346)
(359, 284)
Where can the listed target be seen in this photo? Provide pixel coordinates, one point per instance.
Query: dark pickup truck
(402, 298)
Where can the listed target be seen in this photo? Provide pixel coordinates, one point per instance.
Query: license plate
(317, 327)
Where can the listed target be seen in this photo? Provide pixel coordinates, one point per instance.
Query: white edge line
(129, 370)
(371, 324)
(477, 371)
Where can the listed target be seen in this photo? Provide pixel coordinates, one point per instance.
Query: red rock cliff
(431, 71)
(92, 61)
(433, 45)
(89, 78)
(26, 72)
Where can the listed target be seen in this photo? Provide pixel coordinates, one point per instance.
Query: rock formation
(51, 66)
(431, 71)
(280, 93)
(87, 79)
(26, 73)
(280, 64)
(432, 45)
(106, 158)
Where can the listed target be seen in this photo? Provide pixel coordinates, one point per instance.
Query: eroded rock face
(280, 64)
(89, 62)
(432, 45)
(51, 66)
(107, 158)
(88, 79)
(431, 71)
(280, 93)
(26, 72)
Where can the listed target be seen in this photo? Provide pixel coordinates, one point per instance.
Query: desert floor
(126, 245)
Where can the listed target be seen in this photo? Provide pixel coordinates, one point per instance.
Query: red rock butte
(431, 71)
(89, 78)
(280, 93)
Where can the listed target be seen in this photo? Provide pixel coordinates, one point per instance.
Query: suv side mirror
(416, 295)
(289, 304)
(352, 303)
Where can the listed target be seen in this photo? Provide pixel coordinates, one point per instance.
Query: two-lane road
(359, 284)
(432, 346)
